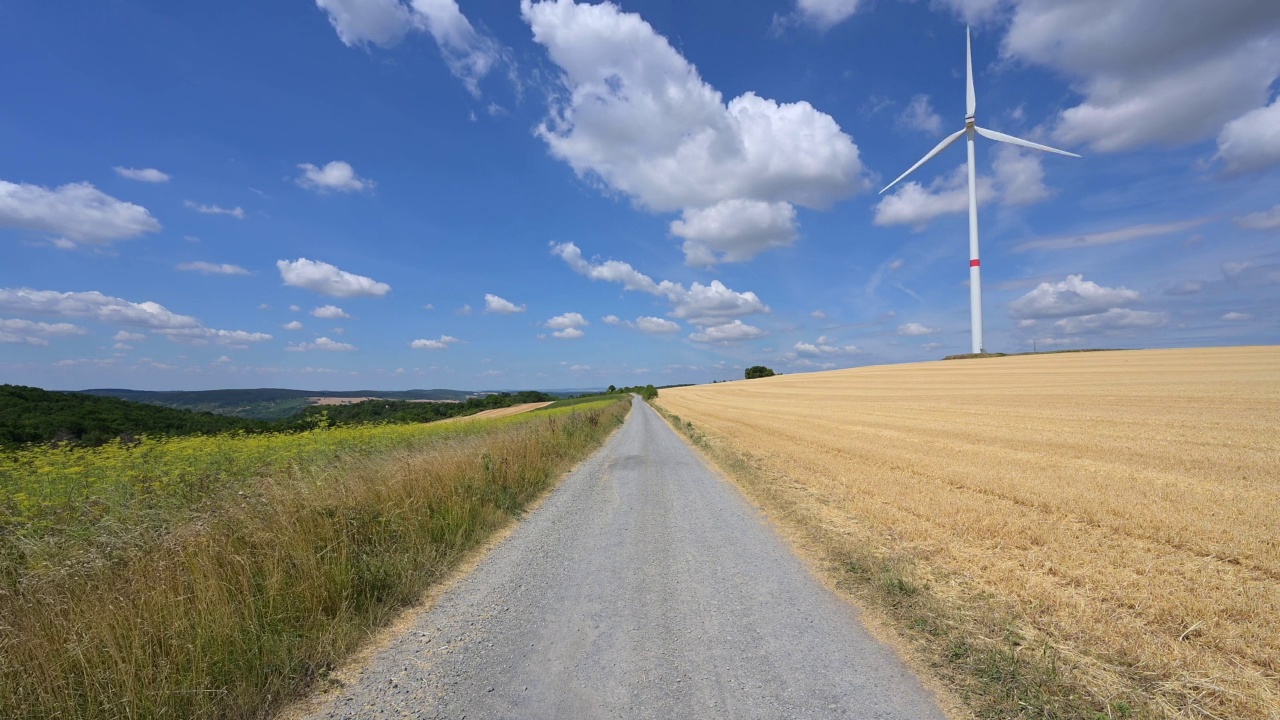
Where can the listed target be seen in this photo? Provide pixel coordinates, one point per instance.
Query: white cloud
(917, 206)
(149, 175)
(328, 280)
(580, 368)
(442, 344)
(1074, 296)
(495, 304)
(1237, 317)
(295, 308)
(634, 116)
(1263, 220)
(292, 325)
(122, 346)
(731, 332)
(236, 212)
(818, 315)
(1019, 175)
(611, 320)
(921, 116)
(203, 336)
(656, 326)
(93, 305)
(323, 343)
(823, 348)
(914, 329)
(26, 332)
(126, 336)
(823, 14)
(1251, 141)
(208, 268)
(78, 212)
(1173, 81)
(329, 312)
(469, 54)
(1110, 237)
(567, 325)
(1111, 320)
(712, 304)
(336, 176)
(734, 230)
(359, 22)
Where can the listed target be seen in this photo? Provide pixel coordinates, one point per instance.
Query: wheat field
(1123, 506)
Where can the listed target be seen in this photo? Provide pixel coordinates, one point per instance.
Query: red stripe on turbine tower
(974, 263)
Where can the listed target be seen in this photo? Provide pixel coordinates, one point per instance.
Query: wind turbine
(968, 131)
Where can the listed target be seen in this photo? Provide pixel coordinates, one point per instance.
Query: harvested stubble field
(1120, 511)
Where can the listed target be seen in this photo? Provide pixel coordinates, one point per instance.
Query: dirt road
(644, 587)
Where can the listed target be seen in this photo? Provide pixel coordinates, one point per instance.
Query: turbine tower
(968, 131)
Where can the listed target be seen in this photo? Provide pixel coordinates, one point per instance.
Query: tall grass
(248, 595)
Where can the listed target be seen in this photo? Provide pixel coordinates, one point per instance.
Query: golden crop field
(1123, 506)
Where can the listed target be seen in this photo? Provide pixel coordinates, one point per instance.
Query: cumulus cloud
(200, 336)
(823, 347)
(495, 304)
(916, 205)
(149, 175)
(921, 116)
(634, 116)
(655, 325)
(26, 332)
(735, 331)
(329, 312)
(1263, 220)
(611, 320)
(77, 213)
(1111, 320)
(336, 176)
(208, 268)
(442, 344)
(823, 14)
(1237, 317)
(913, 329)
(734, 230)
(126, 336)
(292, 325)
(1020, 176)
(1136, 76)
(470, 54)
(322, 343)
(1074, 296)
(328, 280)
(713, 304)
(1251, 141)
(94, 305)
(567, 326)
(235, 212)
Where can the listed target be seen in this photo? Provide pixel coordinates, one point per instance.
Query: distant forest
(33, 415)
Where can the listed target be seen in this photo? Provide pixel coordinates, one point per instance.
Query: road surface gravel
(644, 587)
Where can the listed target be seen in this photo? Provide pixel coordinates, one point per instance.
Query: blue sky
(377, 194)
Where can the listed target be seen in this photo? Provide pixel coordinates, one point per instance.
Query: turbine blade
(1001, 137)
(971, 99)
(941, 146)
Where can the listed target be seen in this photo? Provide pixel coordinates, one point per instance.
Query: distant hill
(264, 403)
(32, 415)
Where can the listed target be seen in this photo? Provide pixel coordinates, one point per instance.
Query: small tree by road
(758, 371)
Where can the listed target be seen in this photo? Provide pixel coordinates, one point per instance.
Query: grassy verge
(996, 667)
(224, 593)
(570, 402)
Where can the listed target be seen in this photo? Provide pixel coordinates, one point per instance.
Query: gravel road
(644, 587)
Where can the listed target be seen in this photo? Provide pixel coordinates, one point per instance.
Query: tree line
(32, 415)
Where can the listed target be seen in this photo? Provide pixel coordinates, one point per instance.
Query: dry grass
(236, 604)
(1121, 508)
